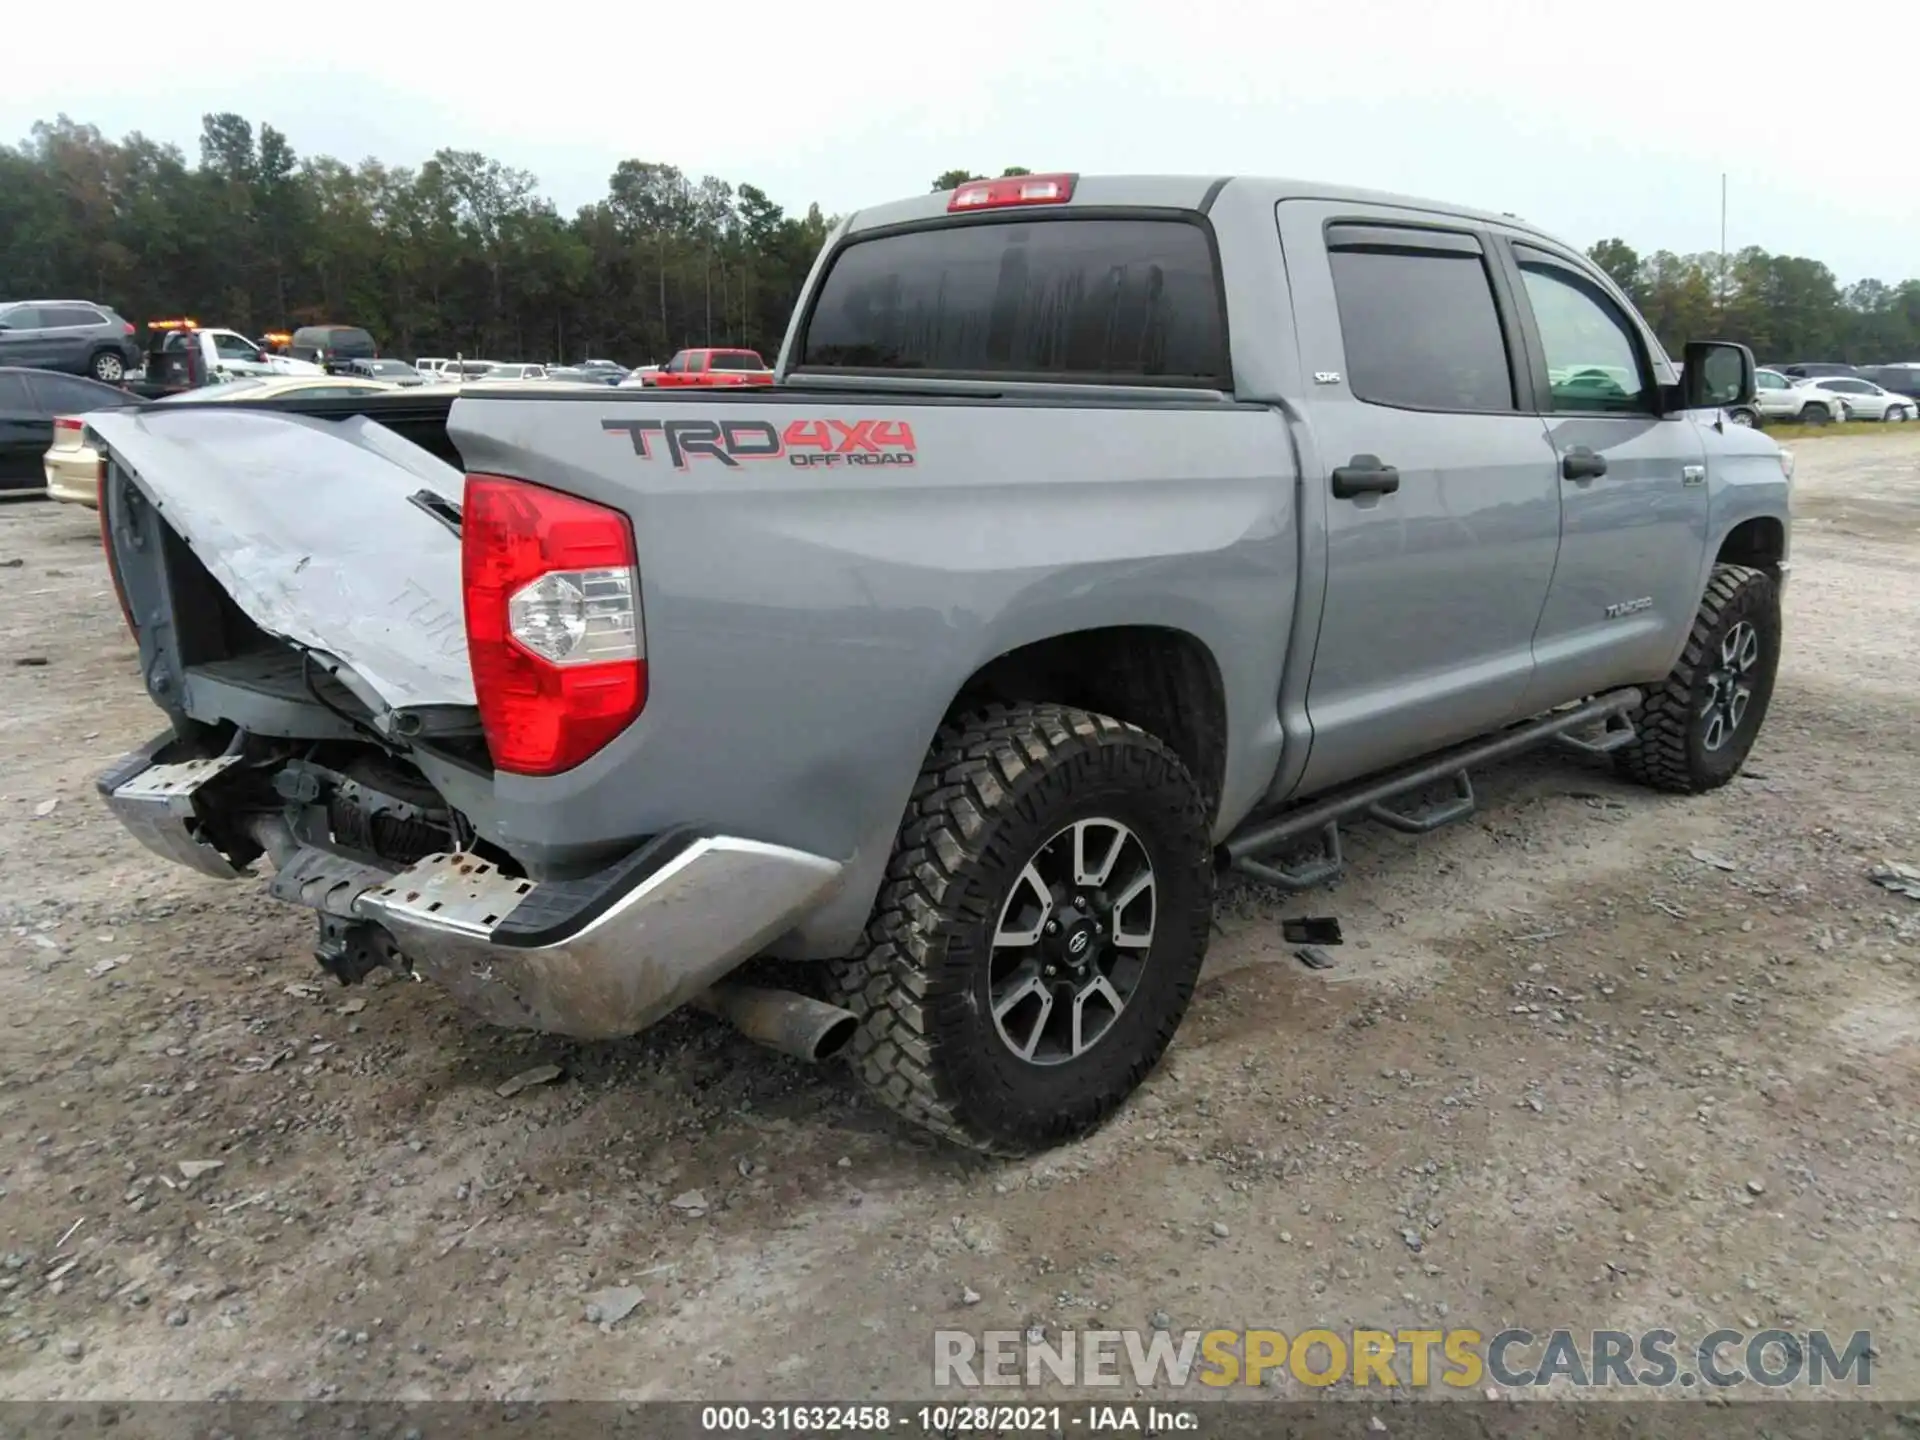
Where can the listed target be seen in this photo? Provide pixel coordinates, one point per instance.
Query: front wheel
(1899, 415)
(1043, 922)
(1694, 729)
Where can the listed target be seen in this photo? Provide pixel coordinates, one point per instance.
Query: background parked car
(1861, 399)
(330, 346)
(394, 372)
(578, 375)
(640, 375)
(1812, 369)
(1788, 398)
(714, 368)
(1900, 379)
(76, 336)
(515, 370)
(455, 372)
(72, 465)
(614, 373)
(430, 366)
(30, 401)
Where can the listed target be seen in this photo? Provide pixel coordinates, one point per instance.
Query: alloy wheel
(1072, 941)
(1729, 685)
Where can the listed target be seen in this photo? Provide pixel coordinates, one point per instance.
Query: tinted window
(339, 339)
(677, 364)
(737, 360)
(13, 395)
(1127, 299)
(232, 347)
(1421, 329)
(60, 315)
(1593, 359)
(1766, 380)
(1848, 387)
(1894, 378)
(23, 317)
(70, 395)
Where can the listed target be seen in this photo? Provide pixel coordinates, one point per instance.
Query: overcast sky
(1591, 120)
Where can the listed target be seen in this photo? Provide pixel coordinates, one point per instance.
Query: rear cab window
(1127, 300)
(1418, 319)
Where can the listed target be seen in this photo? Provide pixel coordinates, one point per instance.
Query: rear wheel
(1693, 731)
(1042, 925)
(107, 367)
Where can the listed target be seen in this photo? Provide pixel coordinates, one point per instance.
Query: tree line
(463, 255)
(1785, 307)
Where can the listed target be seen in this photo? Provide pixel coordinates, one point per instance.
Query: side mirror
(1716, 374)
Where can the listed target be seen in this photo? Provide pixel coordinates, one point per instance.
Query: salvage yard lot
(1567, 1071)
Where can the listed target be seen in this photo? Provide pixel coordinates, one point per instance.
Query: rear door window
(1418, 319)
(71, 316)
(1129, 300)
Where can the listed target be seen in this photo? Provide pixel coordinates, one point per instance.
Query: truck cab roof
(1172, 192)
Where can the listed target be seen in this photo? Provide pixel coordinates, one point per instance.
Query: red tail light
(68, 422)
(554, 630)
(129, 327)
(1014, 190)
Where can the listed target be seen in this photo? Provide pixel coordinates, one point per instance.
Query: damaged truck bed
(294, 581)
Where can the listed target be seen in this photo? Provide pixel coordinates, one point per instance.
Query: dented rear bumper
(597, 957)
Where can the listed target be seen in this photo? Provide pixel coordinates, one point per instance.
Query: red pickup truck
(713, 367)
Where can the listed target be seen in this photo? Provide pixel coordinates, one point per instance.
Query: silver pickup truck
(1099, 535)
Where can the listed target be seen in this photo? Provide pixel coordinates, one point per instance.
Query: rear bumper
(596, 958)
(73, 476)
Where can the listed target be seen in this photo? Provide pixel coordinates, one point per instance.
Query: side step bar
(1597, 727)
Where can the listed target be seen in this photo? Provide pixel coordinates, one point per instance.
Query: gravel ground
(1566, 1071)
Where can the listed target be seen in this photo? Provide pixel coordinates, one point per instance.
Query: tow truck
(181, 355)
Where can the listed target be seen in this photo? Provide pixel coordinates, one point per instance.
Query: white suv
(1782, 397)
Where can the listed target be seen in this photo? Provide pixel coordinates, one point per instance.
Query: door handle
(1580, 463)
(1364, 475)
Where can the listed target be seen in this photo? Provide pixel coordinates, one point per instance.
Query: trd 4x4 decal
(805, 443)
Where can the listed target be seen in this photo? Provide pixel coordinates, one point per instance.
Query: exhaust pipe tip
(836, 1036)
(783, 1020)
